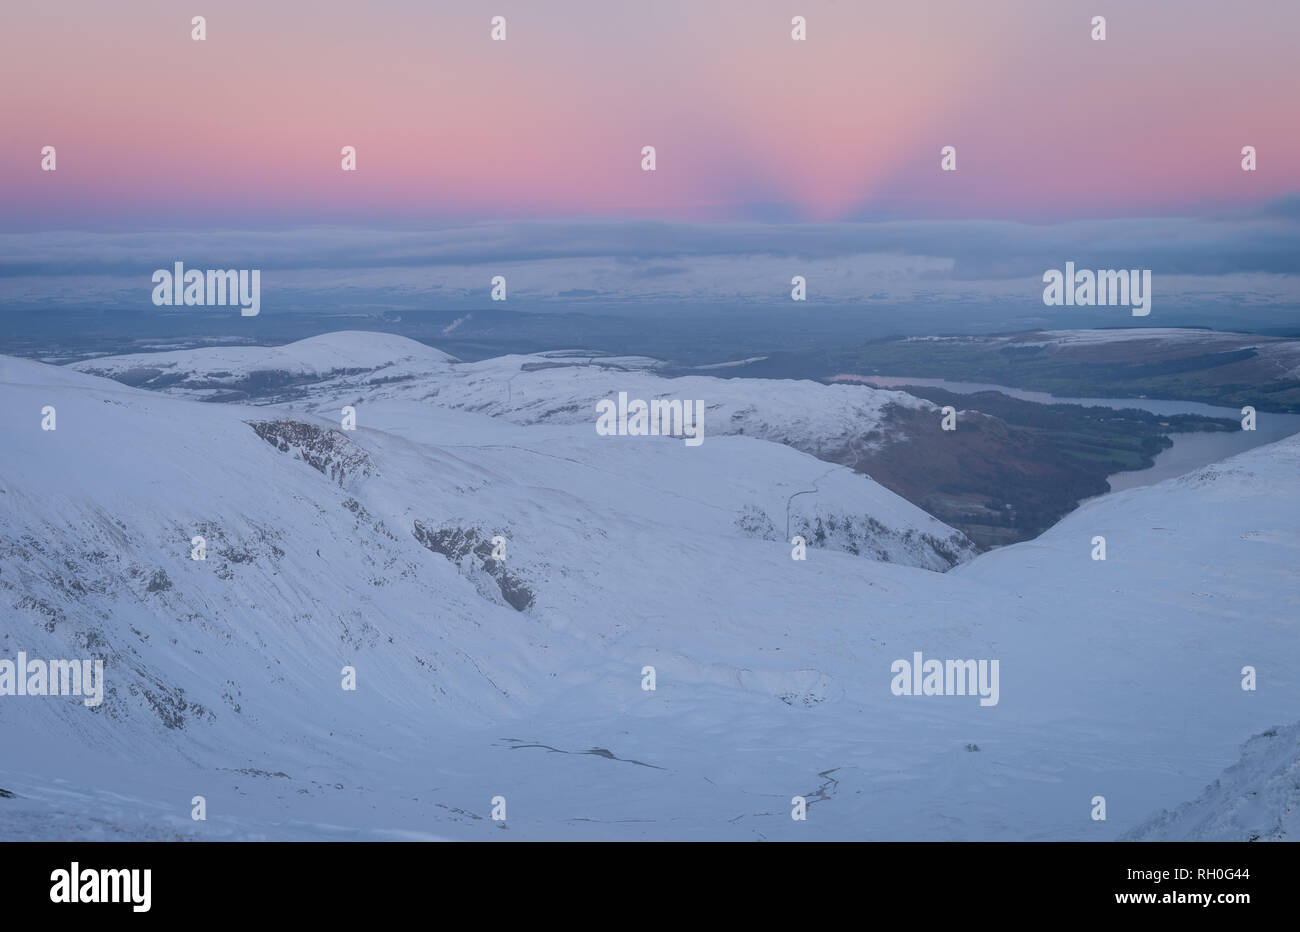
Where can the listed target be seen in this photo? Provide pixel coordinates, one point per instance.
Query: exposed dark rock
(159, 582)
(328, 451)
(471, 550)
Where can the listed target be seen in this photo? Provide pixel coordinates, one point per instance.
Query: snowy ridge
(1256, 799)
(544, 388)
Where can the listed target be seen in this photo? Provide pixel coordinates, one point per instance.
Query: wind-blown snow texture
(522, 678)
(1256, 799)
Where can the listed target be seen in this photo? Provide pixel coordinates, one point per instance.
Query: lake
(1190, 451)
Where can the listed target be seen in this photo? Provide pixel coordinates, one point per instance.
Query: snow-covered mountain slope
(1256, 799)
(523, 678)
(545, 388)
(333, 542)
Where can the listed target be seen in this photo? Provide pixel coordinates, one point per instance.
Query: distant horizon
(1237, 271)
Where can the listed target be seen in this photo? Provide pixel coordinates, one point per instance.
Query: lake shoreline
(1190, 451)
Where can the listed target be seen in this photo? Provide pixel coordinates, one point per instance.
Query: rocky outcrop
(328, 451)
(471, 550)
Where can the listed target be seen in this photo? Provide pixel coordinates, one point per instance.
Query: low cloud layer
(1249, 257)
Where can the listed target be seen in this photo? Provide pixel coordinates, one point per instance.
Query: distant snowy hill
(206, 372)
(546, 388)
(523, 677)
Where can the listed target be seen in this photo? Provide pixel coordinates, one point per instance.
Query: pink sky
(153, 128)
